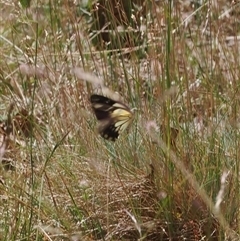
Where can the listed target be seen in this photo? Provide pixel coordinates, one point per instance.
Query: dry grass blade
(98, 84)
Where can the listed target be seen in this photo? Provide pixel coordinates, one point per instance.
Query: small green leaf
(25, 3)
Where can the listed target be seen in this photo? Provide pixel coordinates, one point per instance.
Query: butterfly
(114, 116)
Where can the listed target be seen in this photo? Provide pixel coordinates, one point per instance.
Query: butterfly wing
(114, 116)
(101, 106)
(108, 131)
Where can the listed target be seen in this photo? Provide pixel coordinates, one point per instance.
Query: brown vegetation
(174, 175)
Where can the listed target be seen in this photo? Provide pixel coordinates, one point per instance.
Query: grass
(173, 176)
